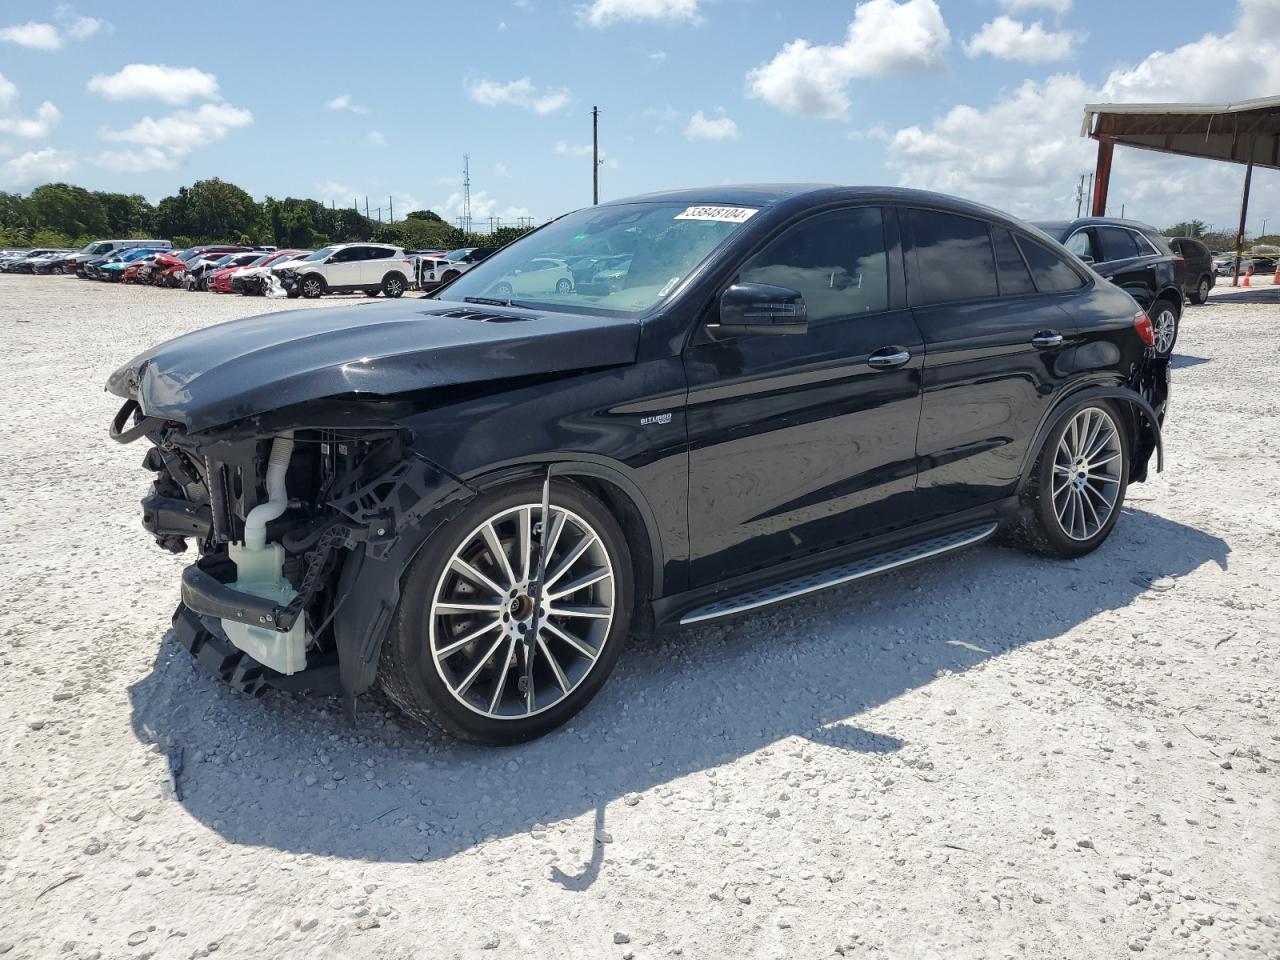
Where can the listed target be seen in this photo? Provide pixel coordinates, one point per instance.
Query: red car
(220, 280)
(167, 266)
(139, 270)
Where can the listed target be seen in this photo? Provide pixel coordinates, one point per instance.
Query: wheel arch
(369, 589)
(1138, 414)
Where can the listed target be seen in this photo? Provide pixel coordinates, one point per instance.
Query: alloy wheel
(486, 626)
(1203, 292)
(1086, 473)
(1166, 328)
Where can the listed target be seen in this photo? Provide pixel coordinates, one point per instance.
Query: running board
(845, 573)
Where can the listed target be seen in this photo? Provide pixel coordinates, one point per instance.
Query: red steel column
(1244, 213)
(1102, 177)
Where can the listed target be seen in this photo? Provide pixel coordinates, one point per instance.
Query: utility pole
(391, 216)
(1091, 190)
(595, 155)
(466, 192)
(366, 206)
(1079, 195)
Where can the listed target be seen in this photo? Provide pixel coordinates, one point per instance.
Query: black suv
(472, 500)
(1198, 276)
(1136, 258)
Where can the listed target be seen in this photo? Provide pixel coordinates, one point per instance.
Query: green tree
(128, 214)
(72, 211)
(1189, 228)
(424, 215)
(217, 210)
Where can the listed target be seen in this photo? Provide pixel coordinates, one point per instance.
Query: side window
(836, 260)
(1145, 247)
(1080, 244)
(1051, 272)
(954, 257)
(1117, 244)
(378, 253)
(1015, 278)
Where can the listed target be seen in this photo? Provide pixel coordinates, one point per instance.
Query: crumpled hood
(245, 367)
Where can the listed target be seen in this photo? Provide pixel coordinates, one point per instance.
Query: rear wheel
(1076, 489)
(393, 285)
(1201, 293)
(1164, 322)
(471, 650)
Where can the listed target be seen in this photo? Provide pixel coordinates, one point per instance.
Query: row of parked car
(371, 268)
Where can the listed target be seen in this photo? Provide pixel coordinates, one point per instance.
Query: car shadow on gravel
(292, 774)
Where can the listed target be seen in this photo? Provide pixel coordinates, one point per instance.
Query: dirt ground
(992, 755)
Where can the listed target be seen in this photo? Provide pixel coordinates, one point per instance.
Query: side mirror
(760, 308)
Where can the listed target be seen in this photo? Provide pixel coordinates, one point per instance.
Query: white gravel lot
(990, 756)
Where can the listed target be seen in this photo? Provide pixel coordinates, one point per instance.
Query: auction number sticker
(720, 214)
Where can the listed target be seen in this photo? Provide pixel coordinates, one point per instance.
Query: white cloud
(77, 26)
(885, 38)
(702, 127)
(36, 166)
(376, 138)
(8, 92)
(343, 102)
(601, 13)
(156, 81)
(500, 170)
(1057, 6)
(34, 36)
(35, 128)
(584, 150)
(1023, 152)
(658, 56)
(142, 160)
(519, 93)
(1007, 39)
(183, 130)
(483, 206)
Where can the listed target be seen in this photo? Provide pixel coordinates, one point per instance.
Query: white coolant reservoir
(258, 573)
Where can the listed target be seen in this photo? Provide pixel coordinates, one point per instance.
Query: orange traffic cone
(1247, 274)
(1275, 277)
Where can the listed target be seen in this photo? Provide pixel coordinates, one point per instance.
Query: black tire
(1164, 313)
(450, 275)
(1201, 293)
(564, 286)
(311, 286)
(394, 285)
(1037, 527)
(406, 670)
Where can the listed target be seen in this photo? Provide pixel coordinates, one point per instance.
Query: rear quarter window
(1050, 271)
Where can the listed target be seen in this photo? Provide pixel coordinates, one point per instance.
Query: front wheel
(564, 286)
(1073, 497)
(311, 287)
(1164, 323)
(473, 651)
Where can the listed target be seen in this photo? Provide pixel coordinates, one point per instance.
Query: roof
(1239, 132)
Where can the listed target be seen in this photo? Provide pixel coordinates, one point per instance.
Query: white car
(434, 271)
(252, 280)
(537, 276)
(348, 267)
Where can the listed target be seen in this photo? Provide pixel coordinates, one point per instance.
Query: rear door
(1128, 262)
(807, 442)
(992, 349)
(378, 262)
(345, 267)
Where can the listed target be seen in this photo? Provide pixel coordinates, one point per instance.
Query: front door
(804, 442)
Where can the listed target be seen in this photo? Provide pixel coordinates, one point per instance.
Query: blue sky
(981, 98)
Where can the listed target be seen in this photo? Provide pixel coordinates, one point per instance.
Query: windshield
(261, 260)
(621, 259)
(458, 254)
(96, 247)
(189, 255)
(321, 254)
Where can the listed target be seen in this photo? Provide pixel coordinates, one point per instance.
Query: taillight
(1179, 260)
(1142, 323)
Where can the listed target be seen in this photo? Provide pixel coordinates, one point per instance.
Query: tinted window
(954, 257)
(1015, 278)
(1145, 247)
(1050, 271)
(1117, 244)
(836, 260)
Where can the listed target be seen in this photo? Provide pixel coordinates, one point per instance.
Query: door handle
(1047, 339)
(888, 358)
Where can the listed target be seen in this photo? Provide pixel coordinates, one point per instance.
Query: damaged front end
(288, 519)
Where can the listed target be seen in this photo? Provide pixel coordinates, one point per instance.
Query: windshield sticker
(668, 287)
(720, 214)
